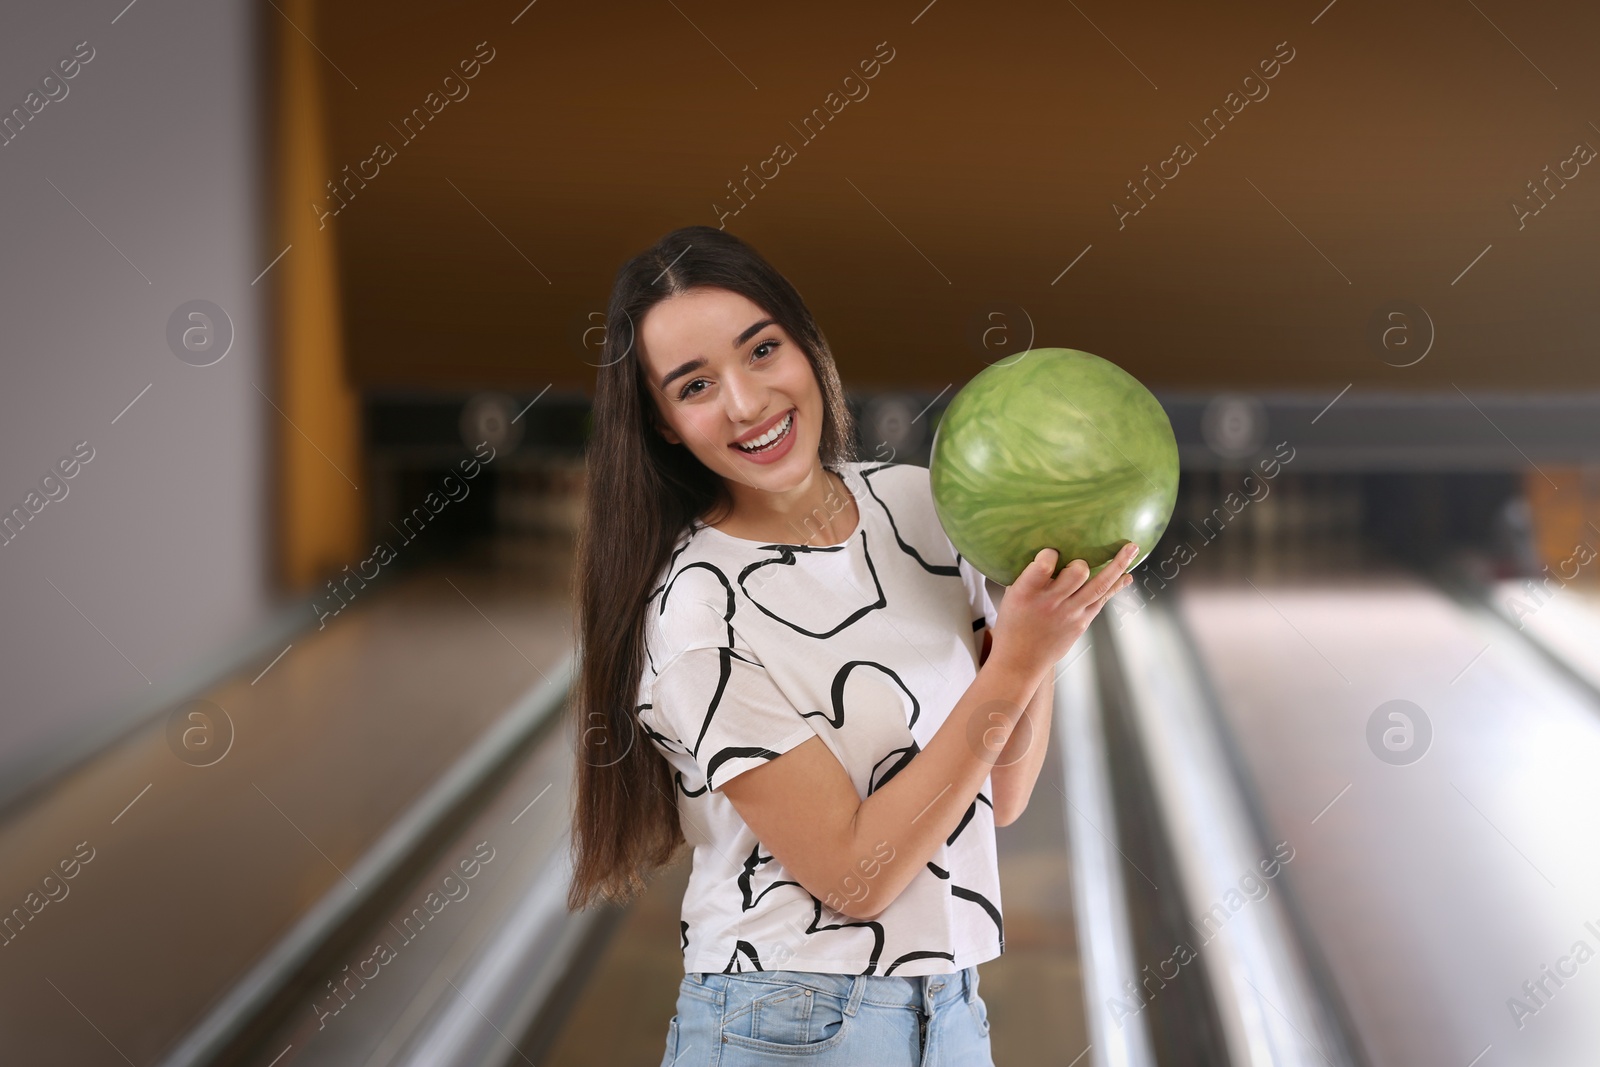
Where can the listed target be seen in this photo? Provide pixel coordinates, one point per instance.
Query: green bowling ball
(1053, 448)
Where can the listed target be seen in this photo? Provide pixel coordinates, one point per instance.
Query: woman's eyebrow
(695, 364)
(681, 370)
(751, 331)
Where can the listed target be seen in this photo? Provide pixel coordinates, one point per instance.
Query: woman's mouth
(770, 440)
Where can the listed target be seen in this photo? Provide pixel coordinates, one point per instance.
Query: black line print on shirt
(666, 742)
(683, 790)
(919, 955)
(748, 951)
(775, 586)
(746, 877)
(931, 568)
(817, 928)
(972, 809)
(722, 579)
(843, 676)
(725, 657)
(963, 893)
(659, 595)
(978, 624)
(901, 757)
(726, 665)
(725, 754)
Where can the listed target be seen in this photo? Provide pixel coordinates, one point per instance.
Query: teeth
(770, 437)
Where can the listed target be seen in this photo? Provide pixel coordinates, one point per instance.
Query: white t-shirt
(754, 647)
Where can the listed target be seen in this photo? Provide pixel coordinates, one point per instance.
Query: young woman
(787, 665)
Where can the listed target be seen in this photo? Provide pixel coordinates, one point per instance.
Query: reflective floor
(196, 861)
(1444, 856)
(1431, 766)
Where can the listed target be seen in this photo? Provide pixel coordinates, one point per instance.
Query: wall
(128, 197)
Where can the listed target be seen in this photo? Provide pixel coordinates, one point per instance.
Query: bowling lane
(1442, 870)
(455, 970)
(1564, 620)
(187, 876)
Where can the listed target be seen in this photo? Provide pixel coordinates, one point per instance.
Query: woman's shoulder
(904, 489)
(682, 616)
(892, 477)
(693, 594)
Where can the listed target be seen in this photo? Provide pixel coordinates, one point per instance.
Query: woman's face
(722, 371)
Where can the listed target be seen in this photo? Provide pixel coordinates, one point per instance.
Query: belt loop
(858, 989)
(970, 981)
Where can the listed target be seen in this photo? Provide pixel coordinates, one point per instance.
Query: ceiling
(975, 174)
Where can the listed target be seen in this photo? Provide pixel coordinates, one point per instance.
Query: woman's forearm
(1017, 769)
(899, 827)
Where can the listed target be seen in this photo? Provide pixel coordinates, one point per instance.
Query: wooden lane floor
(1444, 859)
(148, 884)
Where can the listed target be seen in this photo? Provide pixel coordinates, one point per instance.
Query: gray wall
(151, 568)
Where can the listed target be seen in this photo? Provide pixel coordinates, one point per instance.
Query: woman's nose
(743, 398)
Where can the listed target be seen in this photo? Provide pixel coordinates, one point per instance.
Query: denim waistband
(925, 992)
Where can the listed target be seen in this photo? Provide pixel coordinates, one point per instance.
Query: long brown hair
(640, 493)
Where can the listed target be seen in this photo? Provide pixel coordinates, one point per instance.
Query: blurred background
(302, 306)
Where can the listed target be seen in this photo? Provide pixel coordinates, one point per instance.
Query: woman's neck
(830, 520)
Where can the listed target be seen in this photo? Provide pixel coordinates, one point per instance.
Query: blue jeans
(766, 1018)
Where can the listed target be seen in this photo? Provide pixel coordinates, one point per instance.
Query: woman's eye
(688, 390)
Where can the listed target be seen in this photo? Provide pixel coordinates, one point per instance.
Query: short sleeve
(716, 701)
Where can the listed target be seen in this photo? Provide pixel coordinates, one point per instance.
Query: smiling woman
(746, 405)
(787, 663)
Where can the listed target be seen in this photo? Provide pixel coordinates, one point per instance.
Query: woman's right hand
(1040, 617)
